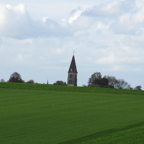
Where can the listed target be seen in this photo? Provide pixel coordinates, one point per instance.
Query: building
(72, 73)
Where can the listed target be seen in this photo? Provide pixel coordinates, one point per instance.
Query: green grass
(131, 135)
(68, 88)
(67, 115)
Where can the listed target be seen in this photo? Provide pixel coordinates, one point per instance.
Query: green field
(43, 114)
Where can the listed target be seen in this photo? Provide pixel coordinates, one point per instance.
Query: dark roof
(72, 67)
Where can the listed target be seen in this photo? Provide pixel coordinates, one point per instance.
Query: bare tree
(129, 87)
(112, 81)
(2, 80)
(122, 84)
(138, 88)
(117, 83)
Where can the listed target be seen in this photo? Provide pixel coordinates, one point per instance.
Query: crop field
(44, 114)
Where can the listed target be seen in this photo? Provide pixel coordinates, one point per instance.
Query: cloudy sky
(37, 39)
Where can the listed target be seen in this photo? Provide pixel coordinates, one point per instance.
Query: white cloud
(15, 22)
(108, 37)
(123, 17)
(111, 8)
(8, 6)
(108, 9)
(19, 8)
(76, 13)
(45, 19)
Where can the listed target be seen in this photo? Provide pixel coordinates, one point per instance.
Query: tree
(59, 83)
(103, 82)
(138, 88)
(122, 84)
(2, 80)
(129, 87)
(95, 79)
(117, 83)
(15, 77)
(112, 81)
(30, 81)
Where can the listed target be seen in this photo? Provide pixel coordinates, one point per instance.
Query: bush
(30, 81)
(59, 83)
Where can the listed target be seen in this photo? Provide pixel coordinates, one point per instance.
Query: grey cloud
(128, 6)
(50, 28)
(104, 10)
(18, 24)
(75, 10)
(111, 9)
(122, 17)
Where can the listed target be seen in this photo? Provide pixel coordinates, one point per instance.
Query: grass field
(131, 135)
(68, 88)
(65, 115)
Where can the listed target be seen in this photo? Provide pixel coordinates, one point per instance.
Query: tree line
(96, 80)
(16, 78)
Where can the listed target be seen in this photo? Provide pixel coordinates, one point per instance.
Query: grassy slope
(37, 116)
(128, 136)
(67, 88)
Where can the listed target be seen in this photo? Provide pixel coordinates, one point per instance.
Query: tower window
(70, 81)
(71, 75)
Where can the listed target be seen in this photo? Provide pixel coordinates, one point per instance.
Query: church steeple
(72, 73)
(72, 67)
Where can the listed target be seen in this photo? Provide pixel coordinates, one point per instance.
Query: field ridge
(68, 88)
(103, 133)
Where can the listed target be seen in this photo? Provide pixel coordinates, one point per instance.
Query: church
(72, 73)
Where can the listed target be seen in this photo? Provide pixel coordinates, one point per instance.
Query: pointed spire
(72, 67)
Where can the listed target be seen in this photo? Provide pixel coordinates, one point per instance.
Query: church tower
(72, 73)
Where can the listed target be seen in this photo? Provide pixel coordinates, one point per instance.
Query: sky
(37, 39)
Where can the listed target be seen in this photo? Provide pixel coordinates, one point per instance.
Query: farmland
(60, 114)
